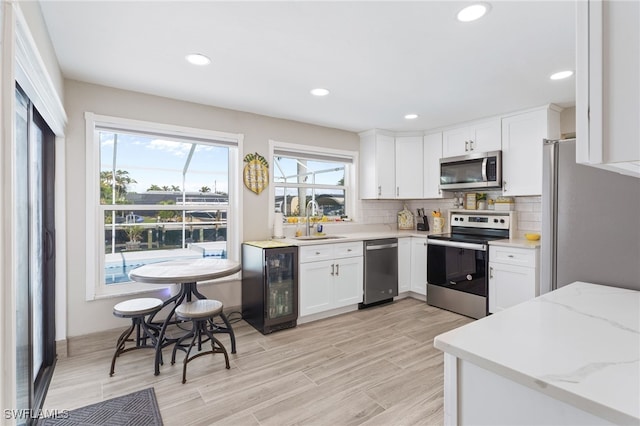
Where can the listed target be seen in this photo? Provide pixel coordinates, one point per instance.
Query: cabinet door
(485, 136)
(456, 141)
(522, 153)
(432, 154)
(316, 287)
(385, 166)
(419, 265)
(404, 264)
(509, 285)
(409, 166)
(348, 281)
(608, 86)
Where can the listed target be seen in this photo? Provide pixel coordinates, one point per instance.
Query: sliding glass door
(35, 245)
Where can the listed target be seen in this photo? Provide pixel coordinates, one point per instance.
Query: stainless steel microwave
(481, 170)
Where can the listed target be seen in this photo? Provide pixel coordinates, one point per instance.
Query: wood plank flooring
(371, 367)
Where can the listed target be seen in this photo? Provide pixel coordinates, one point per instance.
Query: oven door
(457, 266)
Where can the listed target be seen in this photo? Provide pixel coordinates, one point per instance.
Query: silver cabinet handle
(317, 253)
(333, 269)
(379, 190)
(397, 191)
(337, 269)
(466, 146)
(491, 272)
(504, 185)
(349, 250)
(470, 145)
(511, 256)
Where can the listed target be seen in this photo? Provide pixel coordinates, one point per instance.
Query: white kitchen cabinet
(419, 265)
(331, 276)
(404, 264)
(522, 136)
(514, 276)
(475, 137)
(377, 165)
(608, 85)
(431, 162)
(409, 167)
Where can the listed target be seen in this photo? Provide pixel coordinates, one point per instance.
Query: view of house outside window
(303, 179)
(161, 199)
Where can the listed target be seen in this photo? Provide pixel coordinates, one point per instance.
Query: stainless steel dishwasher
(380, 271)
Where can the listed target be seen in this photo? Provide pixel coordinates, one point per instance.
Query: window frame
(351, 182)
(95, 256)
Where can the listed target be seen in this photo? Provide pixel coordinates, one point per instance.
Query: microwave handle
(484, 169)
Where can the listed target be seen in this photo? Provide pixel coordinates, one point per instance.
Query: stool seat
(141, 311)
(136, 307)
(201, 308)
(201, 313)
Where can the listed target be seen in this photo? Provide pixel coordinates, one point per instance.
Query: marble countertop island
(579, 344)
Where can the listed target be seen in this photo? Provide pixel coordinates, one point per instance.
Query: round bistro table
(187, 273)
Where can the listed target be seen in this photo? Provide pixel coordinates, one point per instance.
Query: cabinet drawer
(513, 256)
(315, 253)
(348, 249)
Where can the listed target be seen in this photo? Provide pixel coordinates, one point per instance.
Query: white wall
(85, 317)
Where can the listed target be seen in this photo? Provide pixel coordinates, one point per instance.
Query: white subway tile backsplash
(386, 211)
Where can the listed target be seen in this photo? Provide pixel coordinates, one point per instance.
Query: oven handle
(457, 244)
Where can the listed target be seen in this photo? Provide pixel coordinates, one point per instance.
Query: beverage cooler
(269, 285)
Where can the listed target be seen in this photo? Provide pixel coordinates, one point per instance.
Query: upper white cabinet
(409, 167)
(432, 153)
(377, 165)
(608, 85)
(479, 136)
(390, 166)
(522, 136)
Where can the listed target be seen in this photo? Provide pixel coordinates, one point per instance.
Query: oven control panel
(470, 220)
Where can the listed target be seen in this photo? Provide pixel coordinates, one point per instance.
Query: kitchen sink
(318, 237)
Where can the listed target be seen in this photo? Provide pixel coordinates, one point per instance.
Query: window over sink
(301, 174)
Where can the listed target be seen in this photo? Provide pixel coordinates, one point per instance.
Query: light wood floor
(374, 367)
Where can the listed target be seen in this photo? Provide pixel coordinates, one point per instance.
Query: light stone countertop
(516, 242)
(349, 237)
(579, 344)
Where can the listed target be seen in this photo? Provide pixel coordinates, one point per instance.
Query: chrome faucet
(307, 210)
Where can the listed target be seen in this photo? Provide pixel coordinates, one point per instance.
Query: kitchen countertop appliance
(457, 262)
(380, 271)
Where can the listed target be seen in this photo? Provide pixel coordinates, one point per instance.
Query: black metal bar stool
(201, 313)
(137, 310)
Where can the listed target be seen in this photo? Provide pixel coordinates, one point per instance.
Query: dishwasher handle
(381, 246)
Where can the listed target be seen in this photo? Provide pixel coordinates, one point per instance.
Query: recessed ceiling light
(198, 59)
(560, 75)
(411, 116)
(319, 92)
(473, 12)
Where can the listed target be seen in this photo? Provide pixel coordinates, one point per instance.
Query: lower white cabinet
(331, 276)
(404, 264)
(419, 265)
(412, 265)
(514, 276)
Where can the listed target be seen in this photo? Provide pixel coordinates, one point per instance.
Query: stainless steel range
(457, 263)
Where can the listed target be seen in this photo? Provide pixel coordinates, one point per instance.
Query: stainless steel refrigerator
(590, 222)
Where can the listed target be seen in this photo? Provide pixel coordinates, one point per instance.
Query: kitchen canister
(405, 219)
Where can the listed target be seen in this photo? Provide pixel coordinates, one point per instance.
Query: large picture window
(322, 180)
(159, 193)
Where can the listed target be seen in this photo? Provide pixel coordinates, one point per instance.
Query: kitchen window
(302, 173)
(156, 193)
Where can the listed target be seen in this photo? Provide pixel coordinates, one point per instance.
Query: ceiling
(380, 60)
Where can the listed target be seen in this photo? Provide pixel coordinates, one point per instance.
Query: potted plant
(134, 234)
